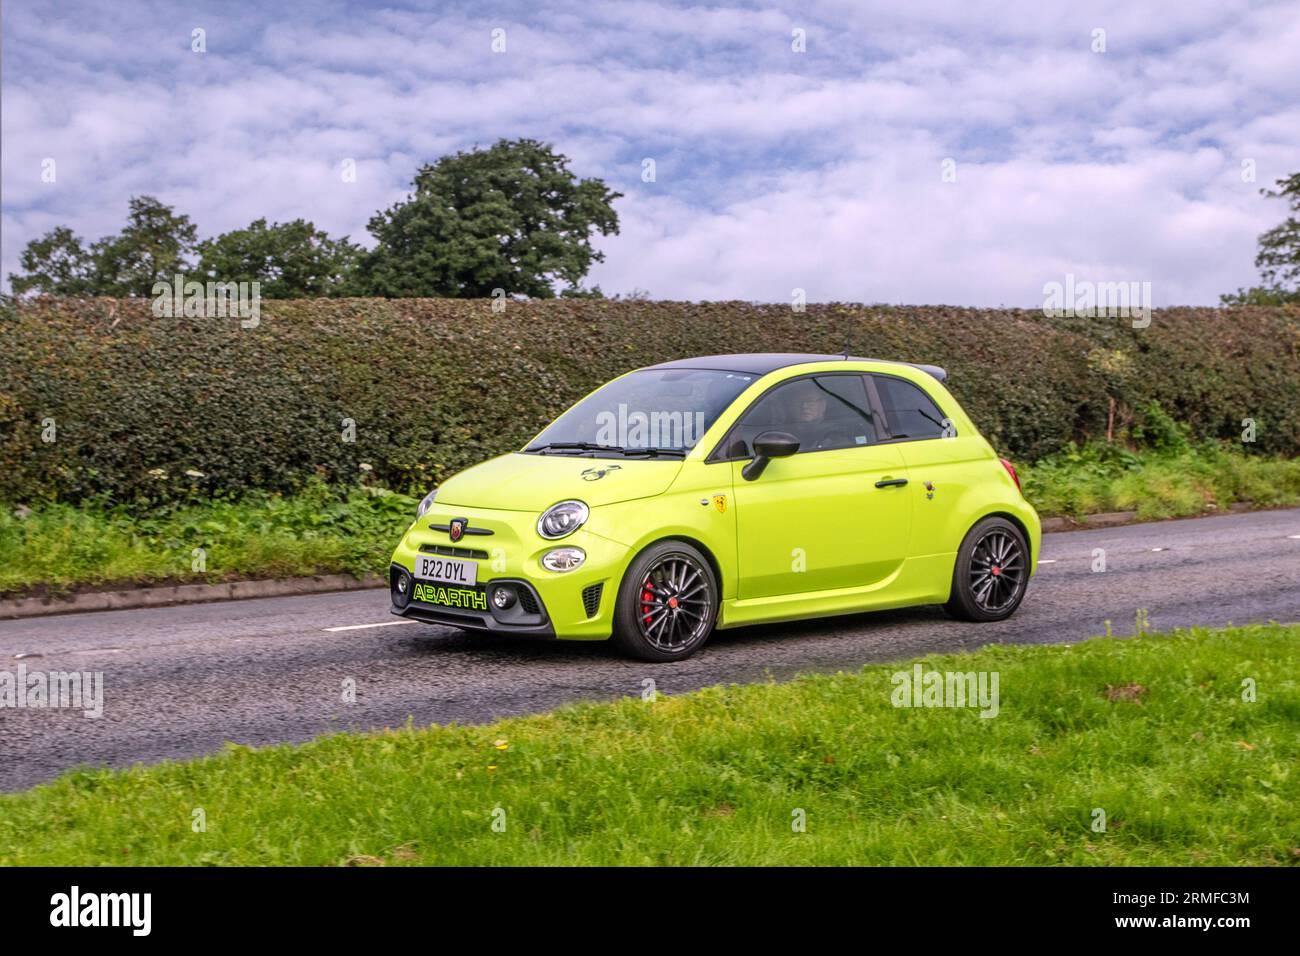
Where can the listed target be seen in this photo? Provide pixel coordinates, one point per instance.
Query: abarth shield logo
(457, 529)
(720, 502)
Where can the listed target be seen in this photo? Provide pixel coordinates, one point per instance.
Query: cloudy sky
(775, 169)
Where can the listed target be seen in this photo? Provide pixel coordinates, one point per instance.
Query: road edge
(1113, 519)
(127, 598)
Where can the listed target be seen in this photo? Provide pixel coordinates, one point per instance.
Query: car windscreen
(652, 411)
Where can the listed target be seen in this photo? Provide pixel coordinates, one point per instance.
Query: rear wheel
(991, 573)
(667, 603)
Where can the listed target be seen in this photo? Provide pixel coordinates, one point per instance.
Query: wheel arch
(694, 542)
(1020, 526)
(643, 647)
(960, 603)
(995, 513)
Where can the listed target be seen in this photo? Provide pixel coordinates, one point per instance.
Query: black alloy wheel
(991, 573)
(667, 603)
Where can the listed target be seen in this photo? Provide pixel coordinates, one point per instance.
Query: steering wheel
(835, 436)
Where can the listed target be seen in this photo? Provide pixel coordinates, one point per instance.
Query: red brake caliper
(647, 601)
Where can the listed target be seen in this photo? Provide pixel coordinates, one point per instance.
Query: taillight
(1011, 470)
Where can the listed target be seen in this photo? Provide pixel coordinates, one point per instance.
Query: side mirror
(767, 446)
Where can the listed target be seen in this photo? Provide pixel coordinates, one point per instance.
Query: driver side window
(824, 412)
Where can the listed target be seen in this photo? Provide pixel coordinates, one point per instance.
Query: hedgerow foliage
(435, 385)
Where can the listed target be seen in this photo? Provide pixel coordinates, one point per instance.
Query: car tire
(667, 603)
(991, 572)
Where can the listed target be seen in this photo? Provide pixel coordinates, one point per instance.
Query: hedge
(434, 385)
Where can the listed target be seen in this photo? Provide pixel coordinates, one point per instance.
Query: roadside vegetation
(1172, 476)
(58, 548)
(1158, 732)
(102, 398)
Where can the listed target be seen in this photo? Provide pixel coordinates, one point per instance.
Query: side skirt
(923, 580)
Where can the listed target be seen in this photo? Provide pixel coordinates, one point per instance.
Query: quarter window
(823, 412)
(908, 410)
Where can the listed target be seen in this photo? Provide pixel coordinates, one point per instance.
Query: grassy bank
(58, 548)
(1170, 483)
(1153, 731)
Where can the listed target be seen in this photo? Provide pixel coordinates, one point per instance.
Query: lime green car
(723, 491)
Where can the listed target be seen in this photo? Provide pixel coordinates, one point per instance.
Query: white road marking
(358, 627)
(1159, 549)
(1047, 561)
(1293, 536)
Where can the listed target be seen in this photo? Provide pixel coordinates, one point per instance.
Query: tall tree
(154, 246)
(510, 217)
(290, 260)
(1278, 258)
(55, 264)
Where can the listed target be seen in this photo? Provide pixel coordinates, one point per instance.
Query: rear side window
(909, 412)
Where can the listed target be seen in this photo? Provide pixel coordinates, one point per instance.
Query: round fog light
(563, 559)
(401, 587)
(503, 598)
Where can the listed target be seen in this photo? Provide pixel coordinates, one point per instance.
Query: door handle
(890, 482)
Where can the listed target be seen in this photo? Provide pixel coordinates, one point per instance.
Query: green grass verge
(1173, 483)
(58, 548)
(1152, 730)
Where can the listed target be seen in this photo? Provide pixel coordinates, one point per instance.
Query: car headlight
(563, 559)
(425, 503)
(561, 519)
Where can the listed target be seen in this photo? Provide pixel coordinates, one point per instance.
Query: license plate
(446, 570)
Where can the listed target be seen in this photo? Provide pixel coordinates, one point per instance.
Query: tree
(510, 217)
(1278, 259)
(55, 264)
(289, 260)
(154, 246)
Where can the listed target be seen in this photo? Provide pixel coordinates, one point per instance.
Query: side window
(823, 412)
(908, 410)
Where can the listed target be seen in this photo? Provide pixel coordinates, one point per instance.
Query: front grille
(591, 598)
(449, 552)
(527, 601)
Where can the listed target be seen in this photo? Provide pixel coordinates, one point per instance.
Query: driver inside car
(806, 407)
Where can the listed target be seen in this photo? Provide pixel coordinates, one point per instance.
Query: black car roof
(761, 363)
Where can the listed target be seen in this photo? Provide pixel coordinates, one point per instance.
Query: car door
(835, 514)
(938, 458)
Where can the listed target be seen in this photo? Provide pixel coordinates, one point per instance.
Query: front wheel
(667, 603)
(992, 571)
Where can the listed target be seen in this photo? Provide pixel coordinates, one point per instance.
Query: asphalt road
(180, 682)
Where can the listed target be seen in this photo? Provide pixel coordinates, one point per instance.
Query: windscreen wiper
(593, 446)
(655, 452)
(572, 446)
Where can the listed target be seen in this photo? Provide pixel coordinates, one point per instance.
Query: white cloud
(775, 170)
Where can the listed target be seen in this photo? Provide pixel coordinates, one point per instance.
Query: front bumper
(526, 618)
(571, 605)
